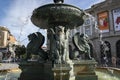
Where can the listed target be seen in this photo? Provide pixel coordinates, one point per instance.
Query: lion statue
(34, 46)
(80, 42)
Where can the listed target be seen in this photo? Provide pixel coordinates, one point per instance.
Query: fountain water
(9, 74)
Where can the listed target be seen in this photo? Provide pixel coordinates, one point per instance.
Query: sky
(15, 15)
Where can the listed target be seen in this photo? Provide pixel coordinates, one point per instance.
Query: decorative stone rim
(57, 14)
(92, 62)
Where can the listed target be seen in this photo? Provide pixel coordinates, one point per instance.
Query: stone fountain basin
(10, 74)
(52, 15)
(108, 73)
(103, 74)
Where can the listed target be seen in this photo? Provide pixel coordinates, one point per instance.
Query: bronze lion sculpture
(35, 46)
(80, 42)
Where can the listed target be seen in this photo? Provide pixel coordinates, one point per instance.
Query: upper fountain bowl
(52, 15)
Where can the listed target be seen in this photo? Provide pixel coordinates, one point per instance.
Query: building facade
(5, 38)
(107, 16)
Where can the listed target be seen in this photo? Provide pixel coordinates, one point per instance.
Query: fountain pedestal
(36, 71)
(85, 70)
(61, 72)
(76, 70)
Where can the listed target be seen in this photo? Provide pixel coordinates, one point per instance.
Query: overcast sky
(15, 15)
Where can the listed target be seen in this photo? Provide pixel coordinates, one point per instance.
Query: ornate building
(107, 14)
(5, 37)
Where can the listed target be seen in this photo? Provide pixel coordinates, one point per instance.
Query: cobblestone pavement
(4, 66)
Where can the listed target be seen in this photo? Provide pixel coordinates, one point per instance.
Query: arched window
(118, 51)
(118, 48)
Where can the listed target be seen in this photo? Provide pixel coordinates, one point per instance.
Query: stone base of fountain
(85, 70)
(36, 71)
(79, 70)
(61, 72)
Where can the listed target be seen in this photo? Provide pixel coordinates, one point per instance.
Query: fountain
(55, 64)
(58, 19)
